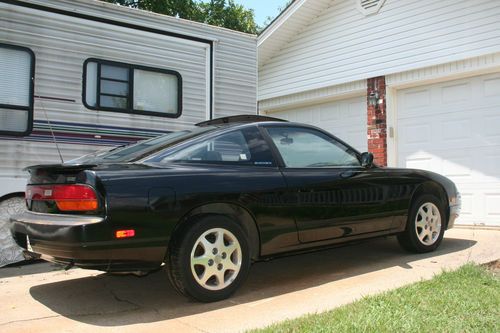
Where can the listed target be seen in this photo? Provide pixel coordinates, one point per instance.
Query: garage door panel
(424, 163)
(354, 138)
(467, 205)
(415, 101)
(455, 93)
(305, 117)
(412, 134)
(453, 128)
(457, 168)
(491, 87)
(478, 166)
(456, 130)
(357, 110)
(329, 112)
(492, 205)
(345, 119)
(490, 124)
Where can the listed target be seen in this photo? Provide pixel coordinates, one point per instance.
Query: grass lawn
(465, 300)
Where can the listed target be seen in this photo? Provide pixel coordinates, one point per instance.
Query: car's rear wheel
(211, 259)
(425, 226)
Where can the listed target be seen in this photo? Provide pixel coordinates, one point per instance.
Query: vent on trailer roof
(369, 7)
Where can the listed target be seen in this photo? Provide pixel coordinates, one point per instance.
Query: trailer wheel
(10, 252)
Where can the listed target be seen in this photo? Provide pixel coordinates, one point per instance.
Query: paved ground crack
(29, 319)
(122, 300)
(192, 326)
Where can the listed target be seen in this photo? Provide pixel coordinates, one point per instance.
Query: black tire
(409, 239)
(184, 277)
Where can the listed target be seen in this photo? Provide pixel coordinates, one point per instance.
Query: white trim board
(317, 96)
(444, 72)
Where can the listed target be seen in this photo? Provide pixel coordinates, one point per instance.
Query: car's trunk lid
(64, 189)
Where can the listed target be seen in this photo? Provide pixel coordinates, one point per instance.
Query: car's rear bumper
(85, 241)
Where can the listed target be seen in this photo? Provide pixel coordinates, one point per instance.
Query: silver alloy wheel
(428, 223)
(216, 259)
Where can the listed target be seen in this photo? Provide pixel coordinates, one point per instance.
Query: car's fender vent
(369, 7)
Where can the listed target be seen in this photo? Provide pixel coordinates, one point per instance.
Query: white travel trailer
(86, 74)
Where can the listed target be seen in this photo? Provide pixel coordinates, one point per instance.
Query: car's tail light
(77, 197)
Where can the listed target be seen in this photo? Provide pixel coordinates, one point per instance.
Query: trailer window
(120, 87)
(16, 90)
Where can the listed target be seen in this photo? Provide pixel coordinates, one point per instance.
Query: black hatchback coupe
(208, 201)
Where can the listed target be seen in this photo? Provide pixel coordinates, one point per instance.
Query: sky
(263, 8)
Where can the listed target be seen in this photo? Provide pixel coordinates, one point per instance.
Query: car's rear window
(141, 149)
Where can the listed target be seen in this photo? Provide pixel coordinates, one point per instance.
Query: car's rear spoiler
(249, 118)
(53, 167)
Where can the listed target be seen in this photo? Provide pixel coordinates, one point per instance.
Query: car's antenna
(52, 132)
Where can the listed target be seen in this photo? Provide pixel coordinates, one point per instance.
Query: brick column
(377, 121)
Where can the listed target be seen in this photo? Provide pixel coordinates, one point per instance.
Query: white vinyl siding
(453, 128)
(234, 61)
(342, 45)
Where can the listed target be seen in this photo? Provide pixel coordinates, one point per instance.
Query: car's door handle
(348, 174)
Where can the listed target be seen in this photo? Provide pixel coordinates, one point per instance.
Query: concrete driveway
(42, 298)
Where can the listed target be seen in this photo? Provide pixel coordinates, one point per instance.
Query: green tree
(270, 19)
(222, 13)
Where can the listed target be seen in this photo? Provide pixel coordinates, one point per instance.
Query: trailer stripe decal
(75, 133)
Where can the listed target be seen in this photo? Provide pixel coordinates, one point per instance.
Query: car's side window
(244, 146)
(309, 148)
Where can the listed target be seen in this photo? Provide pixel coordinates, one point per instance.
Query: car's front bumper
(84, 241)
(455, 207)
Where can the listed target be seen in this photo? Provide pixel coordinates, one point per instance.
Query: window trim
(279, 158)
(130, 96)
(31, 101)
(213, 134)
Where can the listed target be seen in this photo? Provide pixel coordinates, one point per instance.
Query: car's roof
(239, 119)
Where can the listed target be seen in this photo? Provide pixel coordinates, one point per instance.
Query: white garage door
(346, 119)
(453, 128)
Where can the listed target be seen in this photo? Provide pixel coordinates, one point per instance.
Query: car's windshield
(141, 149)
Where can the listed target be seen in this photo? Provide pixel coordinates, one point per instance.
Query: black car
(208, 201)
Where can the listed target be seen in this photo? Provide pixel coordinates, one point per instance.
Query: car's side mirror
(367, 160)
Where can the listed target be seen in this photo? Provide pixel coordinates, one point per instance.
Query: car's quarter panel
(156, 198)
(87, 239)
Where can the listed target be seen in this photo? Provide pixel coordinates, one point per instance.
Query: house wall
(342, 45)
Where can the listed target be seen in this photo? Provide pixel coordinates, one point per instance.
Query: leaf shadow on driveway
(106, 300)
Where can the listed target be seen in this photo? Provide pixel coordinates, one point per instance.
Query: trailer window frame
(31, 98)
(130, 82)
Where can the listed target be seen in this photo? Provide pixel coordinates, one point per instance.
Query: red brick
(377, 121)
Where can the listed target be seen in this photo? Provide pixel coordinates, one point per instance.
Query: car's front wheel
(425, 226)
(211, 260)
